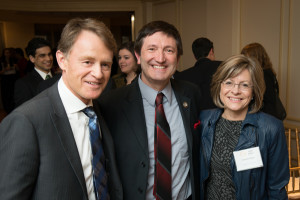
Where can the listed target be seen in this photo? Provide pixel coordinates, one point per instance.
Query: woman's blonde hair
(232, 67)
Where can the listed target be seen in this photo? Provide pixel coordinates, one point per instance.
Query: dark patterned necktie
(162, 153)
(47, 76)
(98, 162)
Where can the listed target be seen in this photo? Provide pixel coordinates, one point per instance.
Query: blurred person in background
(39, 52)
(201, 73)
(271, 96)
(128, 65)
(21, 62)
(8, 79)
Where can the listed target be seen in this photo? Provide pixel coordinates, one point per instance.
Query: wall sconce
(132, 27)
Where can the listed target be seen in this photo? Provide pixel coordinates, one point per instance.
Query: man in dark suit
(39, 52)
(45, 147)
(130, 114)
(201, 73)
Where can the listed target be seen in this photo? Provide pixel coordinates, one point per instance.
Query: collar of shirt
(42, 74)
(71, 103)
(150, 94)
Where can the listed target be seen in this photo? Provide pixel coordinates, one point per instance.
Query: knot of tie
(159, 99)
(47, 76)
(89, 111)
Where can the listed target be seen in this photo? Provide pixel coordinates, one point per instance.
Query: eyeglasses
(242, 86)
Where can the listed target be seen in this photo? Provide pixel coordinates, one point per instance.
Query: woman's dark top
(119, 80)
(271, 95)
(219, 184)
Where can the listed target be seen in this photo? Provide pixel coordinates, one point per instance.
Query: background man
(45, 147)
(131, 112)
(39, 52)
(201, 73)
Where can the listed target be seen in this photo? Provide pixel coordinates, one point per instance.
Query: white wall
(293, 62)
(257, 26)
(192, 26)
(220, 27)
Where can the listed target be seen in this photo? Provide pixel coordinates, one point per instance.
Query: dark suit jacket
(26, 87)
(38, 153)
(201, 74)
(123, 109)
(47, 83)
(270, 94)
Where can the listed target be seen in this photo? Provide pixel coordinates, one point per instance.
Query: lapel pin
(185, 104)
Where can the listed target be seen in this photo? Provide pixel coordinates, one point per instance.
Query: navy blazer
(201, 74)
(123, 109)
(38, 153)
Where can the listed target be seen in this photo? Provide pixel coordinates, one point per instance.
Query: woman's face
(236, 94)
(127, 62)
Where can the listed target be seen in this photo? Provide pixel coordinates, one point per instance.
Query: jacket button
(140, 190)
(143, 164)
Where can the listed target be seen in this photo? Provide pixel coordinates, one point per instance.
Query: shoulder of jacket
(269, 122)
(210, 114)
(118, 94)
(184, 84)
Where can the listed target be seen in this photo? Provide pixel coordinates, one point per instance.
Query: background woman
(8, 79)
(257, 51)
(128, 65)
(237, 89)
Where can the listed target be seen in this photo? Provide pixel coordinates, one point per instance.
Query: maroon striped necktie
(162, 153)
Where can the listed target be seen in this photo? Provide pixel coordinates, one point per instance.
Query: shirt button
(143, 164)
(140, 190)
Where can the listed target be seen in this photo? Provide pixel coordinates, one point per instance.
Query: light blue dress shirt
(181, 182)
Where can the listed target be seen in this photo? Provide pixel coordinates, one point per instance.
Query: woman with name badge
(243, 152)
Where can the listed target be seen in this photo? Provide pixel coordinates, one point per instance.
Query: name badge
(248, 159)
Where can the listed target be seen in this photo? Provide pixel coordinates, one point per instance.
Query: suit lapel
(35, 78)
(36, 75)
(133, 109)
(104, 130)
(184, 103)
(64, 131)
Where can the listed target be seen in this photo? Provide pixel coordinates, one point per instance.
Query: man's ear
(31, 58)
(211, 54)
(61, 59)
(137, 57)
